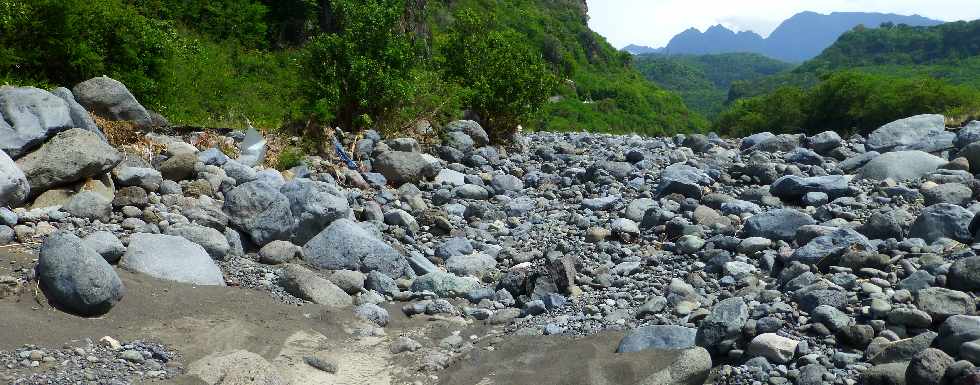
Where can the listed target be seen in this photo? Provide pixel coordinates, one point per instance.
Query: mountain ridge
(801, 37)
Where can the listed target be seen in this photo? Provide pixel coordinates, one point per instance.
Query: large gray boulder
(826, 248)
(171, 258)
(69, 157)
(28, 116)
(304, 283)
(724, 323)
(923, 132)
(213, 241)
(79, 116)
(778, 224)
(472, 129)
(956, 331)
(314, 206)
(400, 167)
(258, 209)
(89, 205)
(445, 284)
(791, 187)
(964, 274)
(657, 337)
(111, 99)
(345, 245)
(75, 277)
(683, 179)
(147, 178)
(900, 165)
(943, 220)
(14, 187)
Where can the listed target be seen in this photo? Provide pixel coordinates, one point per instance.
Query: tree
(361, 72)
(506, 79)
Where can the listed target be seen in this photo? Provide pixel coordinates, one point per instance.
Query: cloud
(654, 22)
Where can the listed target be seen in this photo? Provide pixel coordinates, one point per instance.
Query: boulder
(922, 132)
(179, 167)
(401, 167)
(79, 116)
(28, 116)
(964, 274)
(277, 252)
(69, 157)
(825, 141)
(446, 285)
(683, 179)
(657, 337)
(827, 248)
(792, 188)
(89, 205)
(928, 367)
(258, 209)
(106, 244)
(725, 322)
(885, 374)
(476, 265)
(459, 140)
(972, 154)
(314, 206)
(305, 284)
(900, 165)
(345, 245)
(904, 349)
(171, 258)
(472, 129)
(943, 220)
(111, 99)
(941, 303)
(952, 193)
(75, 277)
(213, 241)
(956, 331)
(146, 178)
(14, 187)
(780, 224)
(773, 347)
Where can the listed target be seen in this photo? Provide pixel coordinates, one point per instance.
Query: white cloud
(654, 22)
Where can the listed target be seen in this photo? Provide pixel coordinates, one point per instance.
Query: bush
(362, 72)
(289, 157)
(506, 80)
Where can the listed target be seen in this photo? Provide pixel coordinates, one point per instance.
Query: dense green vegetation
(357, 64)
(846, 102)
(703, 81)
(867, 78)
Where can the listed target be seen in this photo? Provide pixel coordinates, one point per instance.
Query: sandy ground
(198, 321)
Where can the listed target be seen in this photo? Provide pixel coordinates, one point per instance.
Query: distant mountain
(797, 39)
(641, 49)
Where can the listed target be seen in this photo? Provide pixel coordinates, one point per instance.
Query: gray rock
(146, 178)
(964, 274)
(450, 177)
(373, 313)
(453, 247)
(725, 322)
(213, 156)
(277, 252)
(111, 99)
(638, 208)
(754, 139)
(882, 225)
(791, 187)
(773, 347)
(79, 116)
(213, 241)
(28, 116)
(903, 350)
(471, 191)
(89, 205)
(314, 205)
(811, 299)
(923, 132)
(885, 374)
(445, 284)
(381, 283)
(972, 154)
(683, 179)
(351, 282)
(106, 244)
(858, 160)
(941, 303)
(928, 367)
(901, 165)
(952, 193)
(459, 140)
(305, 284)
(968, 134)
(171, 258)
(179, 167)
(258, 209)
(778, 143)
(400, 167)
(236, 367)
(833, 318)
(404, 219)
(600, 204)
(14, 188)
(506, 183)
(471, 128)
(943, 220)
(778, 224)
(827, 248)
(75, 277)
(476, 265)
(825, 141)
(239, 172)
(657, 337)
(69, 157)
(345, 245)
(956, 331)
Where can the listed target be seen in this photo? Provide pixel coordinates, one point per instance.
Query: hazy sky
(654, 22)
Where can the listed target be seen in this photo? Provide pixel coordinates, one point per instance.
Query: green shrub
(289, 157)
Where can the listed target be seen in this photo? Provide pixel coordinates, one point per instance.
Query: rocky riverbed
(178, 256)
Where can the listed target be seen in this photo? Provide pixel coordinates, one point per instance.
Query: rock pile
(774, 258)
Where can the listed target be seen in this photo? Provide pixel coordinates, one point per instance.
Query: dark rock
(75, 277)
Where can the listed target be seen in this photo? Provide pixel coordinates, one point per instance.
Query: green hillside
(358, 64)
(703, 81)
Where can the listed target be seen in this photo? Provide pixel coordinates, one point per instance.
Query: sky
(654, 22)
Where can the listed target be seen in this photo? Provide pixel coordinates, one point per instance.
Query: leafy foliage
(703, 81)
(847, 102)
